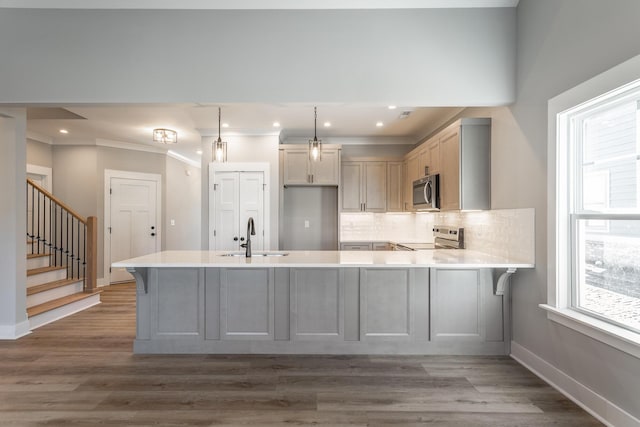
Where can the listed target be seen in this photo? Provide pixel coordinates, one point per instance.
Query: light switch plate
(306, 223)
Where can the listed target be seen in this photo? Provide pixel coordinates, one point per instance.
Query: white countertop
(450, 258)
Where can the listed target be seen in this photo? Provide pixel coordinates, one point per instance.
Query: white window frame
(561, 235)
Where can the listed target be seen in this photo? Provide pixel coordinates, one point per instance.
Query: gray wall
(560, 44)
(78, 180)
(13, 263)
(39, 153)
(182, 197)
(404, 57)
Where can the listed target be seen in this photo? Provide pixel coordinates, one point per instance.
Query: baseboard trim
(102, 282)
(595, 404)
(13, 332)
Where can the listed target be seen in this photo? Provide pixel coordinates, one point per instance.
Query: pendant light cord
(315, 123)
(219, 115)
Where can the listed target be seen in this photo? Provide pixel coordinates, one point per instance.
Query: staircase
(61, 262)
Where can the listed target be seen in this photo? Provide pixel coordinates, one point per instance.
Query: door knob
(242, 239)
(152, 227)
(153, 234)
(235, 238)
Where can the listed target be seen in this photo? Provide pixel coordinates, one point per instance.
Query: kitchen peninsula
(323, 302)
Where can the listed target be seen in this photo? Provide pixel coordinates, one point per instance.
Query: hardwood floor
(81, 371)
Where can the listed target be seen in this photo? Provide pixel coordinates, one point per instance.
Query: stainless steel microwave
(426, 193)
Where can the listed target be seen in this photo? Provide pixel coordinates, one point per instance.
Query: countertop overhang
(438, 258)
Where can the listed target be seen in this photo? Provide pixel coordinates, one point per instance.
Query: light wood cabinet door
(375, 182)
(395, 187)
(450, 171)
(407, 188)
(326, 171)
(434, 156)
(352, 187)
(296, 167)
(425, 162)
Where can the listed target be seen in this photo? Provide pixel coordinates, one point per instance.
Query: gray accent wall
(406, 57)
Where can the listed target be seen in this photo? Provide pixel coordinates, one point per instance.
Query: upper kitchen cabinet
(395, 187)
(465, 165)
(299, 170)
(364, 186)
(412, 172)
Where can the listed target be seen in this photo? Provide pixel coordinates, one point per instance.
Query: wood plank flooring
(81, 371)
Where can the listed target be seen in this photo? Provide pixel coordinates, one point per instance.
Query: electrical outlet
(173, 222)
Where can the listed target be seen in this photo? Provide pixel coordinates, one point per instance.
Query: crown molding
(183, 159)
(130, 146)
(39, 137)
(355, 140)
(204, 132)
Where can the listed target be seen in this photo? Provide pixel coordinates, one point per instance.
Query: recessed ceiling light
(64, 131)
(379, 124)
(392, 107)
(276, 124)
(199, 151)
(327, 124)
(225, 125)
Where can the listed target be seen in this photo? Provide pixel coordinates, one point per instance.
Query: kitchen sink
(255, 254)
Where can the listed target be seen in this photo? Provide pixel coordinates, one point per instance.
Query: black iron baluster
(72, 246)
(50, 224)
(78, 249)
(66, 243)
(38, 223)
(55, 235)
(32, 216)
(84, 260)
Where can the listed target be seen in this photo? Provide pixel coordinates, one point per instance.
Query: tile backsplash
(501, 232)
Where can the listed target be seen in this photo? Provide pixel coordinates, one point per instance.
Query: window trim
(560, 235)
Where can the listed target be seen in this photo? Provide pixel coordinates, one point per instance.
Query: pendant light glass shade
(315, 144)
(219, 147)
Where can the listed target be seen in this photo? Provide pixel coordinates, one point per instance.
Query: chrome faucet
(251, 231)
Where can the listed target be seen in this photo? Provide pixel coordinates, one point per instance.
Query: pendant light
(219, 147)
(315, 144)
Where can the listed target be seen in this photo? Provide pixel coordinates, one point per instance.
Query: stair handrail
(58, 201)
(89, 233)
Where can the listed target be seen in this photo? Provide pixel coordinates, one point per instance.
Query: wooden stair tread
(35, 271)
(51, 285)
(53, 304)
(30, 256)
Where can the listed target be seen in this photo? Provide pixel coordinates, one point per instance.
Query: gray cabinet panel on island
(329, 310)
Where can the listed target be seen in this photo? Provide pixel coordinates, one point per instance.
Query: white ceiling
(134, 124)
(254, 4)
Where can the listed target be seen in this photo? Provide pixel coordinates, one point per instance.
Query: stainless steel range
(444, 238)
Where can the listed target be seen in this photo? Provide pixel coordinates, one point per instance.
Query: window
(604, 208)
(595, 214)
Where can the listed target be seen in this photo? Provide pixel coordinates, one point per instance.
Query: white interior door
(252, 206)
(134, 222)
(226, 193)
(237, 197)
